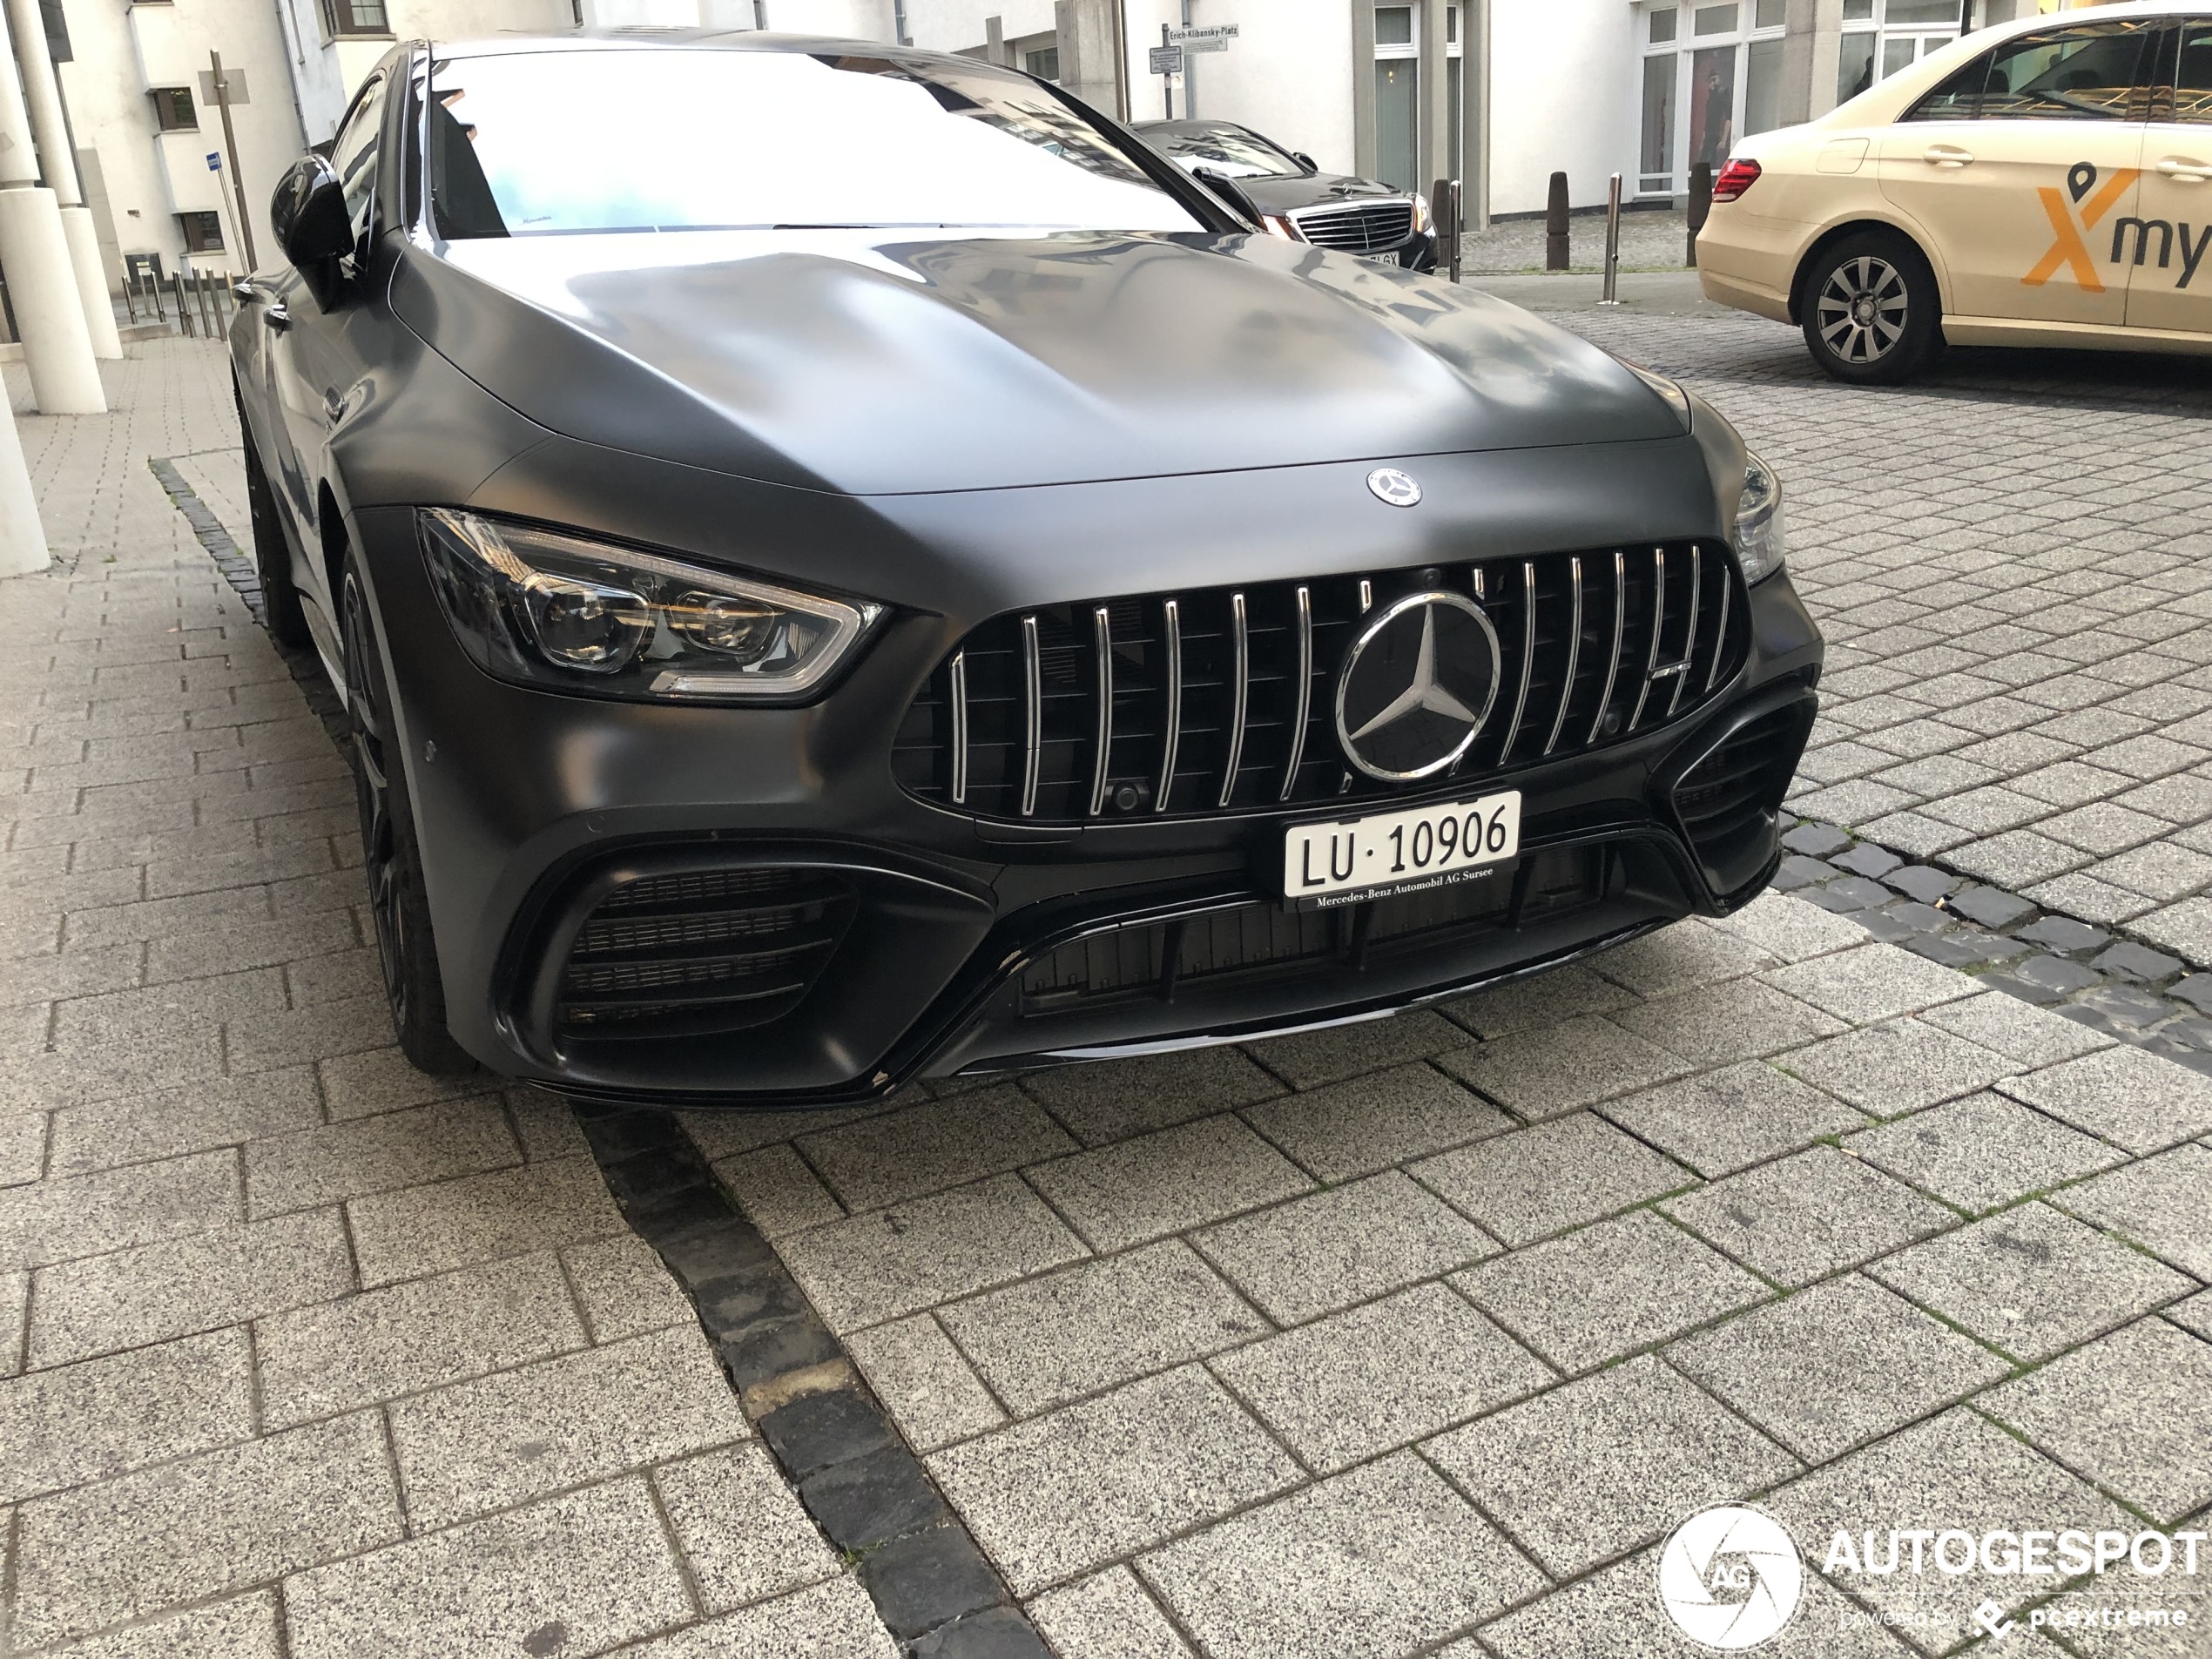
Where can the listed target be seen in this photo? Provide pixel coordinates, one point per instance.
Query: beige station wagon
(2042, 183)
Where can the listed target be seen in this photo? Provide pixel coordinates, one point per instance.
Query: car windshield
(1228, 151)
(537, 143)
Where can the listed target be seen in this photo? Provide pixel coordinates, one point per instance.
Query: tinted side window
(2193, 73)
(2088, 72)
(353, 152)
(1958, 99)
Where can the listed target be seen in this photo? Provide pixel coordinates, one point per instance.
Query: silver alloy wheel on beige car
(1870, 313)
(1862, 309)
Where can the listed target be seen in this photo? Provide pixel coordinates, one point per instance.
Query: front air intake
(702, 952)
(1729, 801)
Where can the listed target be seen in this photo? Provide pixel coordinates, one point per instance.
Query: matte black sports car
(1330, 210)
(846, 565)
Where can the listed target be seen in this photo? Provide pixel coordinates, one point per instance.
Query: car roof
(642, 37)
(1189, 124)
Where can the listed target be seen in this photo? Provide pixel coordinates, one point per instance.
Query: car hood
(1320, 190)
(852, 361)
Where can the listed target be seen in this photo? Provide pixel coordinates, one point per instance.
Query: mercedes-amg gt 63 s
(846, 565)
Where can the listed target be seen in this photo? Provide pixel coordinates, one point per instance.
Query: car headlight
(1421, 212)
(1759, 520)
(544, 608)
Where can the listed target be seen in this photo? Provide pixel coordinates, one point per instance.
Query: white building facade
(1499, 93)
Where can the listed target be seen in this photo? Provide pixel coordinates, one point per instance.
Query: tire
(280, 613)
(1870, 315)
(391, 858)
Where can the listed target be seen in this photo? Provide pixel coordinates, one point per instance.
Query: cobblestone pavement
(1649, 241)
(1413, 1336)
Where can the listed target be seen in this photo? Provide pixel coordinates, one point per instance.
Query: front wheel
(391, 858)
(280, 612)
(1870, 315)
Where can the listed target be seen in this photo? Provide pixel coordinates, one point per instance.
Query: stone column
(23, 538)
(57, 157)
(1433, 150)
(1363, 88)
(1088, 62)
(42, 281)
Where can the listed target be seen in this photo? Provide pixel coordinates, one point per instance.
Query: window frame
(1683, 46)
(157, 95)
(2162, 93)
(206, 217)
(332, 30)
(2151, 63)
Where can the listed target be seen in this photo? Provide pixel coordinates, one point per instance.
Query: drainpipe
(42, 282)
(43, 93)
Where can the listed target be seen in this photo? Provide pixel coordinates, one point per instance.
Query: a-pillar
(43, 93)
(42, 282)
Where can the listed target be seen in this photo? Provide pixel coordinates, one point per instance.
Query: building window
(355, 17)
(1398, 99)
(173, 111)
(203, 232)
(1044, 65)
(1882, 36)
(1706, 80)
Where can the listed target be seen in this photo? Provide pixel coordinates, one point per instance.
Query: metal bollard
(1444, 213)
(1612, 242)
(1556, 249)
(1701, 207)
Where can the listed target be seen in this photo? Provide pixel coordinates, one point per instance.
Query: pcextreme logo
(2068, 249)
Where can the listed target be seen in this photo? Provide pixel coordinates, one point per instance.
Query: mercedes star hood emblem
(1395, 487)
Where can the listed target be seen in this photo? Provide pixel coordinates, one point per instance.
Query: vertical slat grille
(1214, 700)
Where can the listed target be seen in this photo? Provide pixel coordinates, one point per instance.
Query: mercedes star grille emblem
(1416, 686)
(1396, 487)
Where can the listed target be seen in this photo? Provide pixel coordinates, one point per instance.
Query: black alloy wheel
(1870, 315)
(280, 612)
(390, 859)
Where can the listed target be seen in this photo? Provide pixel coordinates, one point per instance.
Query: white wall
(954, 25)
(1288, 72)
(1562, 96)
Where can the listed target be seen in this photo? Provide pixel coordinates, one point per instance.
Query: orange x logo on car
(2066, 247)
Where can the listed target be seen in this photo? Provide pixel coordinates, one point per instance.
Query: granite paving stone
(218, 1522)
(2164, 1204)
(91, 1215)
(1312, 1255)
(2132, 1410)
(931, 1391)
(2019, 1031)
(1609, 1290)
(740, 1529)
(1381, 1375)
(1982, 1151)
(2031, 1281)
(1054, 1496)
(1381, 1560)
(1792, 932)
(1098, 1322)
(408, 1148)
(1875, 982)
(1539, 1000)
(833, 1617)
(1679, 958)
(1542, 1073)
(244, 1627)
(1836, 1365)
(1164, 1182)
(1548, 1177)
(167, 1123)
(887, 1263)
(1808, 1215)
(1108, 1615)
(1898, 1065)
(1117, 1099)
(1958, 1467)
(225, 1276)
(585, 1571)
(778, 1192)
(1602, 1464)
(1737, 1020)
(2131, 1098)
(932, 1145)
(419, 1231)
(1723, 1121)
(340, 1356)
(623, 1288)
(81, 1423)
(1310, 1059)
(497, 1440)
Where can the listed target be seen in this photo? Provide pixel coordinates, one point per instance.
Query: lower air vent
(701, 952)
(1730, 802)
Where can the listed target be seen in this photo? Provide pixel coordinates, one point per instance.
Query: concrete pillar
(1474, 114)
(1088, 64)
(1363, 88)
(995, 49)
(42, 283)
(1432, 146)
(23, 538)
(1826, 55)
(57, 159)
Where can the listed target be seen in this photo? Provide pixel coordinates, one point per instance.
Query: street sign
(1166, 60)
(214, 161)
(1205, 45)
(1191, 34)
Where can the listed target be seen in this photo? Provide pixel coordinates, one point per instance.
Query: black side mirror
(308, 214)
(1306, 161)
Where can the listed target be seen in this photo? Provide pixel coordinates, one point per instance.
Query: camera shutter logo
(1731, 1578)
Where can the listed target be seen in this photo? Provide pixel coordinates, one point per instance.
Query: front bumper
(928, 942)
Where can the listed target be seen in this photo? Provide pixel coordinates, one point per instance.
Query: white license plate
(1353, 859)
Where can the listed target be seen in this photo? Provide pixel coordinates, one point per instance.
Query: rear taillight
(1735, 179)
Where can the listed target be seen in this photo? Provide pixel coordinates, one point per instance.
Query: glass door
(1398, 100)
(1711, 73)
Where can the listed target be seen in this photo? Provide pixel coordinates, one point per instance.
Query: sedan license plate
(1353, 859)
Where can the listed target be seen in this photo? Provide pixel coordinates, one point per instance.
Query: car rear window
(548, 143)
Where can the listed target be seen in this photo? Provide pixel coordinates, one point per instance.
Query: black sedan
(845, 565)
(1328, 209)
